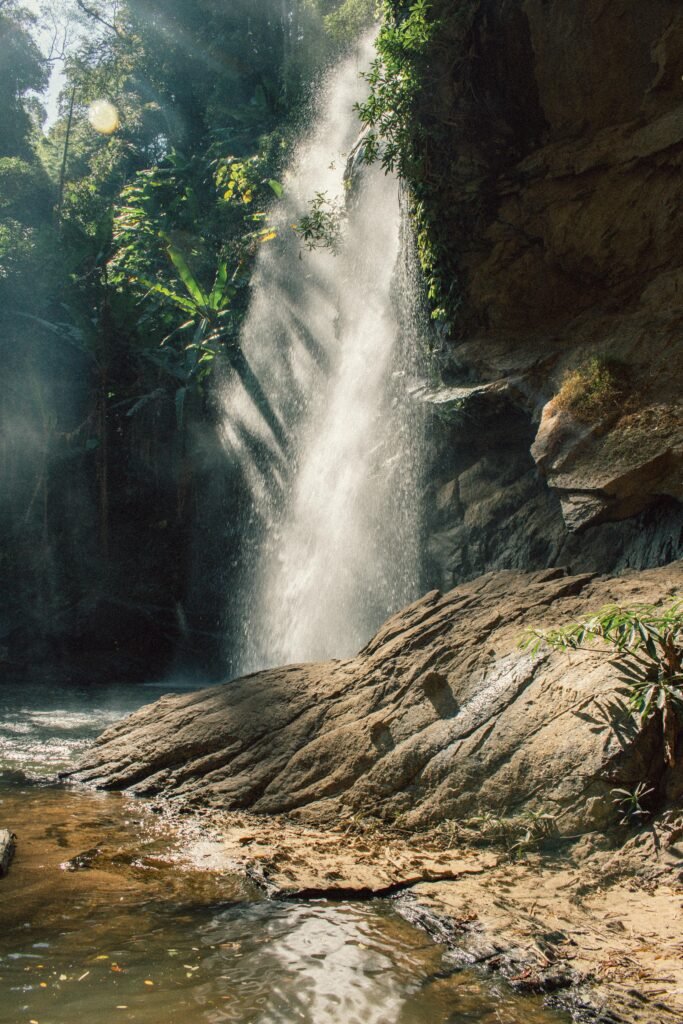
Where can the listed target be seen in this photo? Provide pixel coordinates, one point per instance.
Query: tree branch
(58, 47)
(96, 16)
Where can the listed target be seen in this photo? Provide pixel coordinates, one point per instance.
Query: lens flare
(103, 116)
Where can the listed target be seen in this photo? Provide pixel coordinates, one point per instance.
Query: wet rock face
(580, 256)
(440, 716)
(489, 507)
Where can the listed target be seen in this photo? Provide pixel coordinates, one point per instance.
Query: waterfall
(330, 449)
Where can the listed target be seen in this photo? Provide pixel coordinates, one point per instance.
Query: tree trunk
(65, 157)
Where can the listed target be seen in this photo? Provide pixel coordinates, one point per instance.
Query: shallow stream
(105, 917)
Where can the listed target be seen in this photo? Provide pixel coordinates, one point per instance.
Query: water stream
(143, 931)
(333, 464)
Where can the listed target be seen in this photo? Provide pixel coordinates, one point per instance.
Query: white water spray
(332, 460)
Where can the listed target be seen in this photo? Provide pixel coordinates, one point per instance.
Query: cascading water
(328, 444)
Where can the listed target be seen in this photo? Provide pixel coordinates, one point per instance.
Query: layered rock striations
(440, 716)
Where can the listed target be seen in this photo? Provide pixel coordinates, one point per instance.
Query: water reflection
(352, 963)
(252, 963)
(105, 918)
(44, 728)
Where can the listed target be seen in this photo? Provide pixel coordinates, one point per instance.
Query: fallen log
(7, 844)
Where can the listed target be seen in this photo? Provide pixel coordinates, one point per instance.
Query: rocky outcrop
(441, 716)
(611, 474)
(488, 507)
(575, 253)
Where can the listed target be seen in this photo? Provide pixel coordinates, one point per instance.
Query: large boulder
(440, 716)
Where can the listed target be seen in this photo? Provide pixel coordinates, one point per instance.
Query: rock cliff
(440, 716)
(563, 443)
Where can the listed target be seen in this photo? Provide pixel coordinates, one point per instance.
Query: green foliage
(350, 19)
(190, 362)
(28, 258)
(408, 132)
(21, 68)
(17, 245)
(247, 189)
(186, 355)
(589, 392)
(323, 226)
(646, 642)
(403, 46)
(208, 205)
(220, 70)
(629, 802)
(181, 224)
(25, 191)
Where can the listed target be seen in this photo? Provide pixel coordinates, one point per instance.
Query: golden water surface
(105, 917)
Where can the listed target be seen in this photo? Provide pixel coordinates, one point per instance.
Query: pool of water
(108, 915)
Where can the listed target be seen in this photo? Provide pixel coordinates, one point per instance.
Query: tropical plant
(180, 224)
(204, 313)
(646, 643)
(629, 802)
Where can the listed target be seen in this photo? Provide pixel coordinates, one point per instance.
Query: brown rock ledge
(439, 717)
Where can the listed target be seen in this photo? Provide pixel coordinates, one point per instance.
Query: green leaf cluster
(646, 643)
(405, 128)
(630, 803)
(323, 226)
(388, 114)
